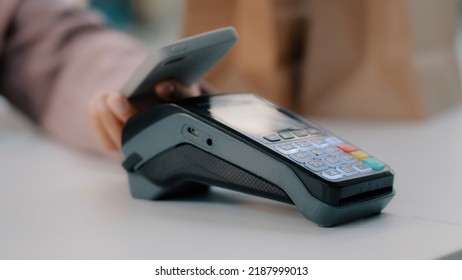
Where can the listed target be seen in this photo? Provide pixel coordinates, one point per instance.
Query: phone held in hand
(186, 61)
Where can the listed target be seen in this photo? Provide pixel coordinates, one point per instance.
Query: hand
(110, 111)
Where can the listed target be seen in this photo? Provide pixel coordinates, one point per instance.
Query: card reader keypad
(328, 156)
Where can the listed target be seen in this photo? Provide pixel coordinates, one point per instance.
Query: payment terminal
(242, 142)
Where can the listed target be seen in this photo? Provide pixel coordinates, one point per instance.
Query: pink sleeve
(54, 57)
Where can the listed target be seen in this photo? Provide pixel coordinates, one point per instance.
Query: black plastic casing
(180, 148)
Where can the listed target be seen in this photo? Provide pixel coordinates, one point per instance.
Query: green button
(374, 163)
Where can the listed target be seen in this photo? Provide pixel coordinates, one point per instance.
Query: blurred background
(399, 58)
(157, 22)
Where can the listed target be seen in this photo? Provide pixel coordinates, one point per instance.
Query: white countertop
(58, 203)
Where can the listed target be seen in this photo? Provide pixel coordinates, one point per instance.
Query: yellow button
(359, 155)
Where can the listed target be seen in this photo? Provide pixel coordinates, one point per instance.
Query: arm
(55, 58)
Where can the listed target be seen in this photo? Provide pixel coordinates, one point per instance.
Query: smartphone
(186, 61)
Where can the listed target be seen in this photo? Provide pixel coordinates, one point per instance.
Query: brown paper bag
(262, 61)
(359, 58)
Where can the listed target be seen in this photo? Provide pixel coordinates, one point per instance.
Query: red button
(347, 148)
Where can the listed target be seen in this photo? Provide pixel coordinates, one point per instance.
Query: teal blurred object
(119, 13)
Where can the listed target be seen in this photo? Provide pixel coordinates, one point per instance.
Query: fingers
(206, 88)
(164, 90)
(171, 90)
(120, 107)
(98, 127)
(108, 114)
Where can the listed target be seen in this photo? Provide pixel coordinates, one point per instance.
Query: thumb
(120, 107)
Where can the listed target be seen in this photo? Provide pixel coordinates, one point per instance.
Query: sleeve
(54, 58)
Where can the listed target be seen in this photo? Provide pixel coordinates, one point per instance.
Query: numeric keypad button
(347, 158)
(316, 165)
(318, 152)
(319, 143)
(332, 174)
(333, 161)
(301, 156)
(347, 170)
(303, 145)
(363, 168)
(286, 148)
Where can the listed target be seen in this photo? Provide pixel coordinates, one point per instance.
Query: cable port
(197, 136)
(193, 132)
